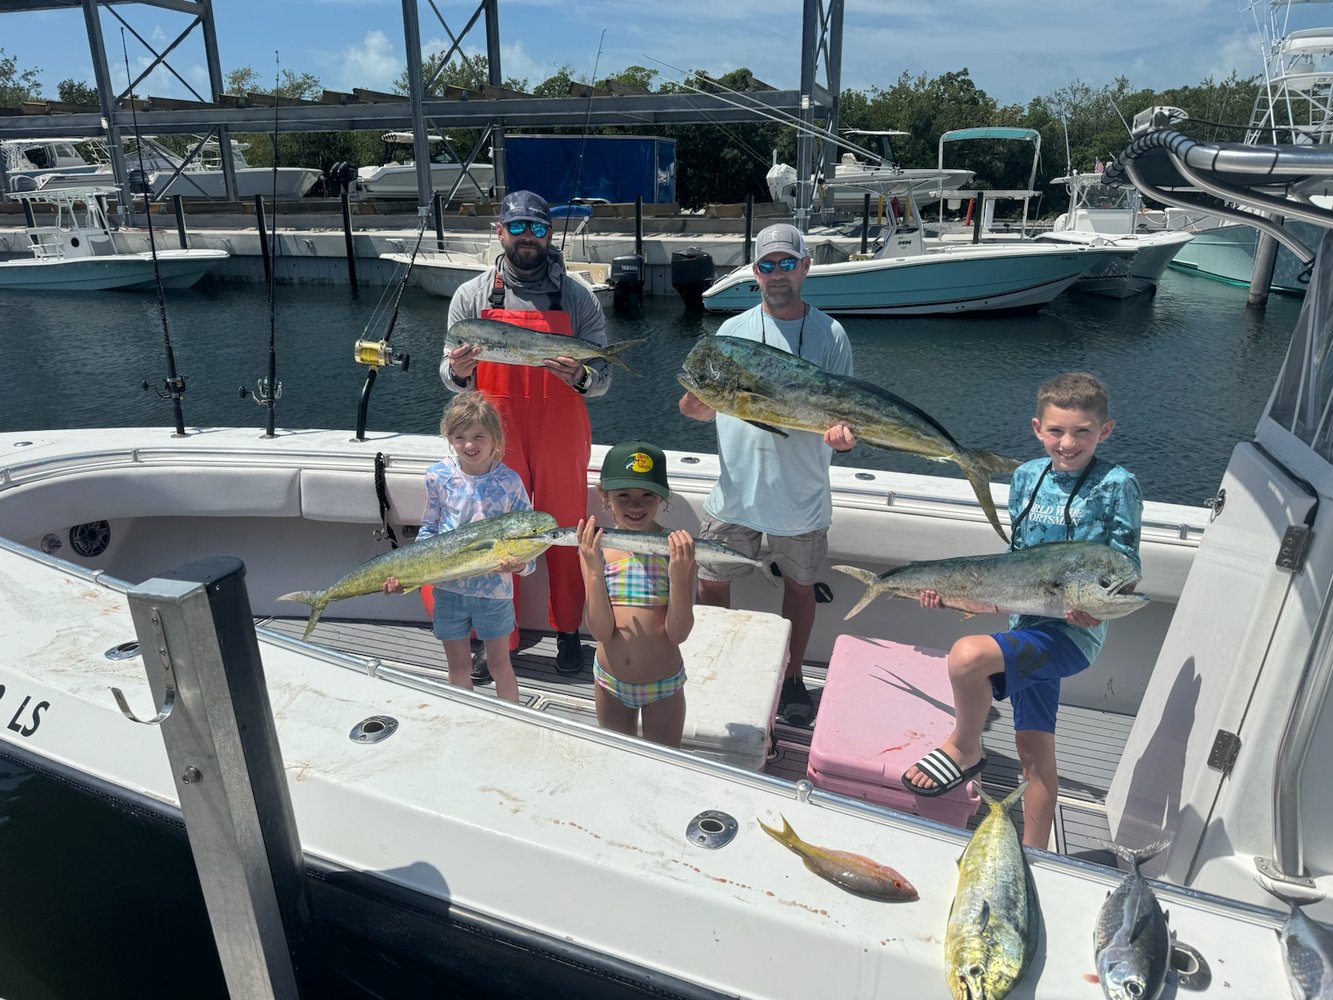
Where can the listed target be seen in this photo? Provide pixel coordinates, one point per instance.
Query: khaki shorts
(798, 556)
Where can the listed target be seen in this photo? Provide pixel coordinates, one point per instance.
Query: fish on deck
(853, 872)
(1131, 941)
(654, 543)
(506, 344)
(995, 921)
(772, 389)
(473, 549)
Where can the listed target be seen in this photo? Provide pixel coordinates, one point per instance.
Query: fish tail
(871, 581)
(317, 600)
(1135, 856)
(787, 837)
(979, 466)
(612, 354)
(1007, 801)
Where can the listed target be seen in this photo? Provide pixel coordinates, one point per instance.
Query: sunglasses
(785, 264)
(538, 229)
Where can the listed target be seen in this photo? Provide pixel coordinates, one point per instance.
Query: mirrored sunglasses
(518, 228)
(785, 264)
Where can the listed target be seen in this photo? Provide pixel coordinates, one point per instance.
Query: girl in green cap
(640, 607)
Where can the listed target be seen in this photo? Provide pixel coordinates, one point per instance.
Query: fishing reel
(378, 354)
(172, 387)
(264, 394)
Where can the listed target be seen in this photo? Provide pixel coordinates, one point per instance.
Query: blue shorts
(457, 616)
(1035, 659)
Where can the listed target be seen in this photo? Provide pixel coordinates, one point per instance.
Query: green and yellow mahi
(772, 389)
(994, 922)
(470, 550)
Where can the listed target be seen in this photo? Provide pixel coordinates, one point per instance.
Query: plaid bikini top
(638, 581)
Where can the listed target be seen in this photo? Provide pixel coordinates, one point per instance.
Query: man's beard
(525, 257)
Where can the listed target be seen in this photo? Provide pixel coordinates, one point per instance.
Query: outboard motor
(691, 273)
(626, 277)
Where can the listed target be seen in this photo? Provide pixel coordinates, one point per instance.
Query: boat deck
(1089, 743)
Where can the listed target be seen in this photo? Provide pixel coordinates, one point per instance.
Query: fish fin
(871, 581)
(772, 832)
(1135, 856)
(612, 354)
(317, 601)
(985, 915)
(978, 469)
(1140, 926)
(768, 427)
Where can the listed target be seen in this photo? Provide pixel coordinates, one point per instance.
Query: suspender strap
(498, 291)
(382, 494)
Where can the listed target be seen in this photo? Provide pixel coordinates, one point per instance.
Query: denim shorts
(1035, 659)
(798, 556)
(457, 616)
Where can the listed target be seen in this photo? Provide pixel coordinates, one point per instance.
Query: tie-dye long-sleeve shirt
(454, 498)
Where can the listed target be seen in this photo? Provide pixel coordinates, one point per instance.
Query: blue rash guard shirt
(1108, 508)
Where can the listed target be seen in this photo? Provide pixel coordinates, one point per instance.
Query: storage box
(885, 706)
(735, 661)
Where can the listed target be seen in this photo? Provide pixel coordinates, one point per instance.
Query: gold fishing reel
(378, 354)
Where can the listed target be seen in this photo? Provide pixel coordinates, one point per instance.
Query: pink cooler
(885, 706)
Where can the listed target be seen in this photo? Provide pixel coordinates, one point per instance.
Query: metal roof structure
(493, 109)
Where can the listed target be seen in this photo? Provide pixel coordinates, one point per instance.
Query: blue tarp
(617, 168)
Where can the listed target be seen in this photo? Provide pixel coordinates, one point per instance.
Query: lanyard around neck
(800, 337)
(1069, 520)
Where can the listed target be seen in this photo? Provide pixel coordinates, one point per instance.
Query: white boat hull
(399, 180)
(122, 271)
(491, 811)
(1122, 278)
(443, 272)
(940, 282)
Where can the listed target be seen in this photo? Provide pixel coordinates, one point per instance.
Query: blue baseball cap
(526, 205)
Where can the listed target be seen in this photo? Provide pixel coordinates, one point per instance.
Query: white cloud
(373, 63)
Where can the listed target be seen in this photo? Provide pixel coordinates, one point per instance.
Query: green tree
(17, 85)
(77, 92)
(246, 80)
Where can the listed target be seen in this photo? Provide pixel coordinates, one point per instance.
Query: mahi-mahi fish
(772, 389)
(995, 921)
(1131, 941)
(1307, 950)
(1046, 580)
(507, 344)
(654, 543)
(853, 872)
(473, 549)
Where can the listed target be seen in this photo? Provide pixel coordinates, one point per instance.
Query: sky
(1015, 50)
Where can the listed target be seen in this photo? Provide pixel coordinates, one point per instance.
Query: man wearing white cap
(769, 485)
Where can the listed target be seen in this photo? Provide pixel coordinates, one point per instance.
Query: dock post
(749, 228)
(350, 246)
(439, 220)
(865, 224)
(1265, 261)
(979, 204)
(197, 636)
(179, 204)
(638, 225)
(263, 238)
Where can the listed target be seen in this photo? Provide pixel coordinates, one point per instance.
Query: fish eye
(1104, 581)
(1134, 987)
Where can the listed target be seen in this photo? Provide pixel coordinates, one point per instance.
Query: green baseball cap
(635, 465)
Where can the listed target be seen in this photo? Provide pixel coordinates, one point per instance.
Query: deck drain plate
(711, 829)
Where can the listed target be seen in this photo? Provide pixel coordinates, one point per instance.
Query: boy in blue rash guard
(1070, 494)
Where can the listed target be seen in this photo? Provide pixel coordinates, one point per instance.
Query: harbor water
(1189, 370)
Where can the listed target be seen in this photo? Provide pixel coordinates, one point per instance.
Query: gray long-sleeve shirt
(586, 317)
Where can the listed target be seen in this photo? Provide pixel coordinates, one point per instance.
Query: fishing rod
(173, 386)
(775, 115)
(583, 144)
(377, 354)
(269, 390)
